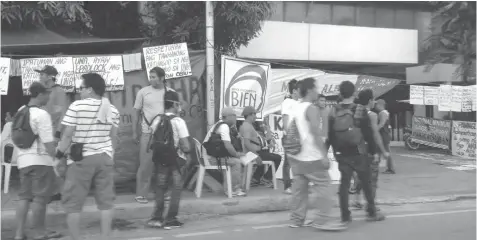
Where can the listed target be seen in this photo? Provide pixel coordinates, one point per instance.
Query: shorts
(37, 183)
(95, 171)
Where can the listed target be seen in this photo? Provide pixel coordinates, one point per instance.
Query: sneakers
(307, 223)
(378, 216)
(331, 226)
(172, 225)
(288, 191)
(237, 193)
(141, 199)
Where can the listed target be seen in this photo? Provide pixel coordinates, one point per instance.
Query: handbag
(76, 149)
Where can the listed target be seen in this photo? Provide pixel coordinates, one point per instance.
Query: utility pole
(209, 26)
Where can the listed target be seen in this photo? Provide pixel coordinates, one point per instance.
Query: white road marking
(271, 226)
(197, 234)
(147, 238)
(238, 230)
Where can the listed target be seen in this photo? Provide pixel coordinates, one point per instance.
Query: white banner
(109, 67)
(244, 83)
(445, 98)
(467, 99)
(173, 58)
(64, 66)
(457, 97)
(474, 97)
(416, 95)
(463, 139)
(431, 96)
(328, 84)
(4, 75)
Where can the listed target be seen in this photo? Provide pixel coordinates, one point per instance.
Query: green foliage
(235, 23)
(453, 36)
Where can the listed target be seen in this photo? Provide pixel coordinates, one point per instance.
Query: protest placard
(4, 75)
(431, 132)
(109, 67)
(474, 97)
(244, 83)
(467, 99)
(173, 58)
(431, 95)
(463, 139)
(416, 95)
(457, 97)
(64, 66)
(445, 98)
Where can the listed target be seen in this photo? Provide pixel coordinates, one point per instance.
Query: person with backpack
(352, 134)
(90, 137)
(169, 144)
(307, 155)
(221, 150)
(32, 135)
(149, 105)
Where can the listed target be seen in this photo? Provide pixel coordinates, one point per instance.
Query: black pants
(167, 177)
(266, 156)
(362, 166)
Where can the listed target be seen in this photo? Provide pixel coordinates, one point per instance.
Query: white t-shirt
(288, 105)
(180, 130)
(40, 122)
(223, 130)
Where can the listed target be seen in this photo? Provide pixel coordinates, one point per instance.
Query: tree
(235, 23)
(453, 36)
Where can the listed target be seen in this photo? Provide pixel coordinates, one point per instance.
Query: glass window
(343, 15)
(405, 19)
(277, 14)
(365, 16)
(319, 13)
(295, 11)
(384, 18)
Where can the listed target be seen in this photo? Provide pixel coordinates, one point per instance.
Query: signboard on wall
(463, 139)
(431, 132)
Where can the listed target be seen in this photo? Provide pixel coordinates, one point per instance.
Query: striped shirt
(82, 114)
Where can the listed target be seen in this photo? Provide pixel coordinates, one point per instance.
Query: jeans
(266, 156)
(374, 171)
(235, 165)
(286, 173)
(164, 174)
(146, 167)
(361, 164)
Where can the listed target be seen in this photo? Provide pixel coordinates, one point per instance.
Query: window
(365, 16)
(343, 15)
(319, 13)
(384, 18)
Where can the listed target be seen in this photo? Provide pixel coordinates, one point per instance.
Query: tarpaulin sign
(244, 83)
(431, 132)
(463, 139)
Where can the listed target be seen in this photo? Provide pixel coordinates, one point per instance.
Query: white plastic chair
(204, 165)
(249, 171)
(8, 166)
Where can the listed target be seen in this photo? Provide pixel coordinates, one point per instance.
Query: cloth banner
(4, 75)
(173, 58)
(64, 66)
(109, 67)
(463, 139)
(244, 83)
(445, 98)
(416, 95)
(431, 132)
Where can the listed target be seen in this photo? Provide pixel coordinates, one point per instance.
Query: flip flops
(49, 235)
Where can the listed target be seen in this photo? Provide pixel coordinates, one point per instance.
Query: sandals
(49, 235)
(141, 199)
(154, 224)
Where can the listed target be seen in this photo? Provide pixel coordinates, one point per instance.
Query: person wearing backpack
(170, 144)
(220, 149)
(32, 135)
(352, 134)
(307, 155)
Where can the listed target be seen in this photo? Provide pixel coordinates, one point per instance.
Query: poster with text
(173, 58)
(431, 132)
(463, 139)
(474, 97)
(64, 66)
(4, 75)
(431, 96)
(467, 99)
(244, 83)
(457, 97)
(328, 84)
(445, 98)
(109, 67)
(416, 95)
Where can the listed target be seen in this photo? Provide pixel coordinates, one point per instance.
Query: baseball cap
(50, 70)
(249, 110)
(228, 111)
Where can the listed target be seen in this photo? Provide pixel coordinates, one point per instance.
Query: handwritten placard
(64, 66)
(173, 58)
(4, 75)
(457, 97)
(445, 98)
(431, 95)
(109, 67)
(416, 95)
(463, 139)
(467, 99)
(474, 97)
(431, 132)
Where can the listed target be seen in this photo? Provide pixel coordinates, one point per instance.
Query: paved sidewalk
(417, 180)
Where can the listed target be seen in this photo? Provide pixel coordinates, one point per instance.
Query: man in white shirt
(229, 119)
(37, 176)
(287, 107)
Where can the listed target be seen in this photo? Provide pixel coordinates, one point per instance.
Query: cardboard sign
(64, 66)
(416, 95)
(109, 67)
(467, 99)
(463, 139)
(431, 132)
(457, 98)
(431, 96)
(244, 83)
(173, 58)
(4, 75)
(445, 98)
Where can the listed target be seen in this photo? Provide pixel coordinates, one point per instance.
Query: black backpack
(162, 144)
(215, 146)
(22, 133)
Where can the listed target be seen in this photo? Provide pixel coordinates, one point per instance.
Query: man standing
(91, 131)
(287, 107)
(351, 134)
(168, 165)
(37, 177)
(310, 165)
(149, 105)
(385, 131)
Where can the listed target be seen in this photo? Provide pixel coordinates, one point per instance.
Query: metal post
(209, 25)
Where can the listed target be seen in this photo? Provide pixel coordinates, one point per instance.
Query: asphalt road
(449, 220)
